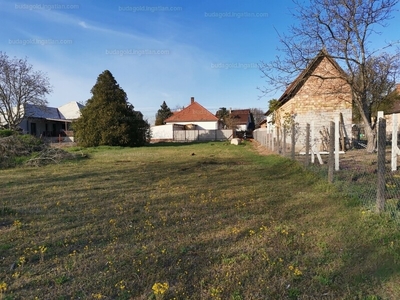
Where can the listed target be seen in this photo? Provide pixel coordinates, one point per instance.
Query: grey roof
(66, 112)
(43, 112)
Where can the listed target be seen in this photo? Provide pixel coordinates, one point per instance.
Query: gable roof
(296, 85)
(192, 113)
(241, 116)
(42, 112)
(66, 112)
(71, 110)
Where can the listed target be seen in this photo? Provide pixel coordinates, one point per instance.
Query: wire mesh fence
(373, 179)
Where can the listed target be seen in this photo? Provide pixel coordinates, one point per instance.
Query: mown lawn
(194, 221)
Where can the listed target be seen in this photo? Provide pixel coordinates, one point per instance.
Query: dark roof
(42, 112)
(66, 112)
(192, 113)
(241, 116)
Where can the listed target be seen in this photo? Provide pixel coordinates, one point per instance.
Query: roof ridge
(190, 113)
(304, 75)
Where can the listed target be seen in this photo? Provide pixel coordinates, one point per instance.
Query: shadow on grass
(177, 144)
(210, 226)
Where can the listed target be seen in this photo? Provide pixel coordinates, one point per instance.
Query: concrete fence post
(337, 147)
(308, 154)
(284, 141)
(331, 159)
(395, 148)
(278, 143)
(293, 140)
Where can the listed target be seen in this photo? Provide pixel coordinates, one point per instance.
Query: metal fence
(201, 135)
(372, 179)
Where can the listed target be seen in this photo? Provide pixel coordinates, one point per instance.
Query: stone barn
(318, 95)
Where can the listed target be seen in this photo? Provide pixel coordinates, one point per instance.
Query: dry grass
(195, 221)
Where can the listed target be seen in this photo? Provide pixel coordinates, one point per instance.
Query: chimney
(191, 100)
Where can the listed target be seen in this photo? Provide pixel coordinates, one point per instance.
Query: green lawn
(194, 221)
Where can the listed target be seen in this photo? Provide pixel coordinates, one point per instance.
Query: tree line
(106, 119)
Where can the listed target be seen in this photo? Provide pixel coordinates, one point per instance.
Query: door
(33, 129)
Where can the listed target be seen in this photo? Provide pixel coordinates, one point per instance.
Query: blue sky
(157, 50)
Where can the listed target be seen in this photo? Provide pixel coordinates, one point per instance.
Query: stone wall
(321, 98)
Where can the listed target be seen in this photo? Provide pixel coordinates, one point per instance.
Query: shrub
(6, 132)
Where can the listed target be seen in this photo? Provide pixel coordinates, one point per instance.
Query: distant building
(194, 115)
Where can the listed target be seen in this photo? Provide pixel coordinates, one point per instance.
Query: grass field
(193, 221)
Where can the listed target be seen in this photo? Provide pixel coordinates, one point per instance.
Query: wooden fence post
(381, 184)
(293, 139)
(331, 159)
(307, 161)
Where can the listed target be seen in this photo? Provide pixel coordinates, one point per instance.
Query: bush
(6, 132)
(15, 149)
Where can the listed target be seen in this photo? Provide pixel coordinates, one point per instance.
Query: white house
(190, 121)
(45, 121)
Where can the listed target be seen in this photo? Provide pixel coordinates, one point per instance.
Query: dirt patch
(262, 150)
(63, 145)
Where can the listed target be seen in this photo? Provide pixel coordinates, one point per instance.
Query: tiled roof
(241, 116)
(192, 113)
(295, 86)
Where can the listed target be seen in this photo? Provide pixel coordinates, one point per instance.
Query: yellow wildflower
(297, 272)
(160, 288)
(3, 287)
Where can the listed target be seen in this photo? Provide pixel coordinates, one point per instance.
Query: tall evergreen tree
(108, 118)
(162, 114)
(223, 116)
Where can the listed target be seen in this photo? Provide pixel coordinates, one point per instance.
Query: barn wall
(320, 100)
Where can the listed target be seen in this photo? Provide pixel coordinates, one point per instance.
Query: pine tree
(108, 118)
(162, 114)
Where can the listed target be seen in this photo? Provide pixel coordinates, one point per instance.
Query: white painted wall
(162, 132)
(242, 127)
(71, 110)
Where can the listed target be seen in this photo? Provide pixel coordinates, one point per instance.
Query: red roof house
(195, 116)
(242, 119)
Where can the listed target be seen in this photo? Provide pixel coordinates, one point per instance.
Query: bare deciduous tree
(344, 29)
(19, 85)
